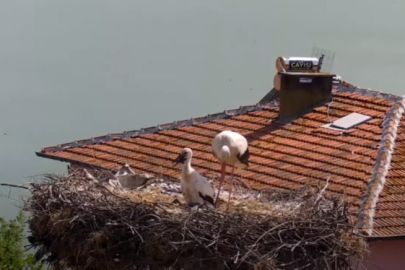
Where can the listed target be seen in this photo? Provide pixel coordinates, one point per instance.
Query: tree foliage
(12, 253)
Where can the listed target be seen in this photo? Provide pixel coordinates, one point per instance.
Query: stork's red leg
(223, 167)
(230, 190)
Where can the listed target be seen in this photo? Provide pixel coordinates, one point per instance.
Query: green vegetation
(12, 253)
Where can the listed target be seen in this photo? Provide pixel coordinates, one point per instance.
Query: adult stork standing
(195, 188)
(230, 148)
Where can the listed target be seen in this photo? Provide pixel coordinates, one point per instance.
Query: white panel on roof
(350, 120)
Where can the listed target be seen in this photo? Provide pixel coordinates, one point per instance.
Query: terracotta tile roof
(282, 156)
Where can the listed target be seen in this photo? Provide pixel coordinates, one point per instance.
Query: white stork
(230, 148)
(195, 188)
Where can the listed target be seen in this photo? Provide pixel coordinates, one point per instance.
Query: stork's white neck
(187, 164)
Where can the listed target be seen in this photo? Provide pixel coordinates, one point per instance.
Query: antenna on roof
(325, 57)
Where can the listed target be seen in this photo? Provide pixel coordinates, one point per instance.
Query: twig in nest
(320, 195)
(15, 186)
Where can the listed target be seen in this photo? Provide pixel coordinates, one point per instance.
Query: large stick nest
(79, 223)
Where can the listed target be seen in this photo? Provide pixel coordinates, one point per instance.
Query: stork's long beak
(180, 159)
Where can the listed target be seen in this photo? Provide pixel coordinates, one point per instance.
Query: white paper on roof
(350, 121)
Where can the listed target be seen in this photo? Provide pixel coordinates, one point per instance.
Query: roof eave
(62, 159)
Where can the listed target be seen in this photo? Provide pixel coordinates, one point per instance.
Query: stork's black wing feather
(206, 198)
(244, 158)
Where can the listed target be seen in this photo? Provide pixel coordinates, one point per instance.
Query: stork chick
(230, 148)
(195, 188)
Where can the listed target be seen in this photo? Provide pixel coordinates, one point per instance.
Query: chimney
(301, 92)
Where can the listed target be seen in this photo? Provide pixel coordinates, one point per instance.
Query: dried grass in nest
(85, 225)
